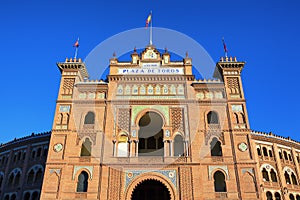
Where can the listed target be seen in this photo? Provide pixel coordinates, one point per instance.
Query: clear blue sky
(37, 34)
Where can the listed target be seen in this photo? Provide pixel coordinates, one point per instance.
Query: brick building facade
(152, 131)
(22, 165)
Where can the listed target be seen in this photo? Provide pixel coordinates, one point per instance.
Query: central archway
(150, 190)
(151, 135)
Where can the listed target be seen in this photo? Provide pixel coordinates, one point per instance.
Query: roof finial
(166, 49)
(114, 54)
(134, 50)
(186, 54)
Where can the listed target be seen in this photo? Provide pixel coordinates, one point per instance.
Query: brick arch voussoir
(150, 176)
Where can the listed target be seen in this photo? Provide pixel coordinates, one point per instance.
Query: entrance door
(151, 190)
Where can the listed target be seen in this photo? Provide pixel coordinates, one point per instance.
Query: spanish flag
(148, 19)
(76, 44)
(224, 46)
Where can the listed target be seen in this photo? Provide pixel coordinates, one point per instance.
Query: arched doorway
(150, 190)
(151, 135)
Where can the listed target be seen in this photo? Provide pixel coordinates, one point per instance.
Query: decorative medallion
(130, 174)
(167, 133)
(133, 133)
(243, 146)
(171, 174)
(58, 147)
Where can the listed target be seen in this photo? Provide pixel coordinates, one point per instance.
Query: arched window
(290, 157)
(86, 148)
(151, 135)
(269, 196)
(6, 197)
(285, 155)
(89, 118)
(270, 153)
(35, 195)
(273, 176)
(39, 175)
(13, 197)
(38, 152)
(294, 179)
(265, 151)
(30, 177)
(258, 151)
(123, 146)
(26, 196)
(219, 182)
(82, 184)
(1, 180)
(298, 197)
(243, 118)
(277, 196)
(11, 179)
(280, 155)
(265, 175)
(215, 147)
(178, 146)
(33, 154)
(287, 178)
(292, 197)
(236, 117)
(19, 155)
(212, 118)
(17, 179)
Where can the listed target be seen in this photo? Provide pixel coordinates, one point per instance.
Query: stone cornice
(152, 78)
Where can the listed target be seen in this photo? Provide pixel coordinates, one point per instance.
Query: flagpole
(76, 51)
(151, 29)
(76, 47)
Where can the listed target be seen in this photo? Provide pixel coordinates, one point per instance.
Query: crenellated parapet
(32, 136)
(73, 65)
(207, 81)
(275, 138)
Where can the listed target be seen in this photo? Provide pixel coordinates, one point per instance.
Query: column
(186, 146)
(280, 174)
(129, 148)
(114, 148)
(165, 147)
(171, 148)
(294, 156)
(136, 148)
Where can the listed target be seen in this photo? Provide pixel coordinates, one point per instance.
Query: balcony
(217, 159)
(85, 159)
(80, 195)
(88, 126)
(239, 126)
(214, 126)
(221, 195)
